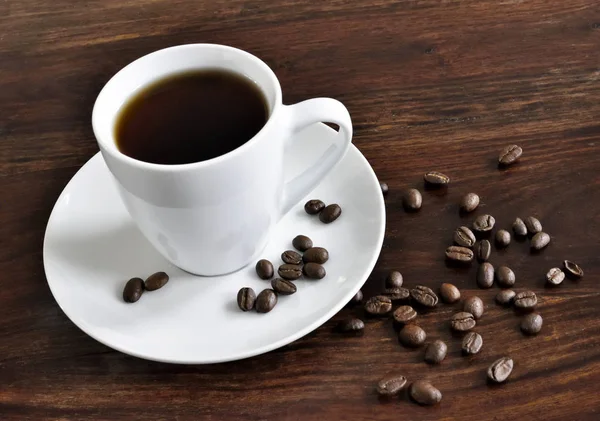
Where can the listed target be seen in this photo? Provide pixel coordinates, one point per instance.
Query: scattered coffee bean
(485, 275)
(412, 200)
(156, 281)
(330, 213)
(350, 324)
(573, 269)
(472, 343)
(404, 314)
(378, 305)
(397, 294)
(510, 154)
(462, 321)
(436, 352)
(394, 280)
(134, 288)
(424, 296)
(316, 255)
(265, 301)
(290, 272)
(463, 236)
(519, 227)
(533, 225)
(412, 335)
(540, 240)
(302, 243)
(532, 323)
(502, 238)
(500, 369)
(483, 250)
(283, 286)
(525, 299)
(555, 276)
(505, 277)
(246, 298)
(424, 393)
(505, 297)
(474, 305)
(484, 223)
(314, 206)
(469, 202)
(436, 178)
(264, 269)
(391, 385)
(384, 188)
(449, 293)
(314, 271)
(292, 257)
(459, 254)
(358, 297)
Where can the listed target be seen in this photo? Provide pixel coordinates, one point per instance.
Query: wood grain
(430, 84)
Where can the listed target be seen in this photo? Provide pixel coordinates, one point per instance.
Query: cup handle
(304, 114)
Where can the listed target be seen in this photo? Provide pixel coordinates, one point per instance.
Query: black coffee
(191, 117)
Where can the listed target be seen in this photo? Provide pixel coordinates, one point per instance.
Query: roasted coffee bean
(436, 178)
(525, 299)
(472, 343)
(519, 227)
(412, 335)
(540, 240)
(424, 296)
(533, 225)
(246, 298)
(397, 294)
(485, 275)
(314, 206)
(505, 297)
(483, 250)
(463, 321)
(469, 202)
(314, 271)
(510, 154)
(404, 314)
(350, 324)
(555, 276)
(264, 269)
(302, 243)
(391, 385)
(474, 305)
(330, 213)
(505, 277)
(532, 324)
(290, 272)
(156, 281)
(463, 236)
(424, 393)
(459, 254)
(436, 352)
(502, 238)
(358, 297)
(134, 288)
(384, 188)
(394, 280)
(573, 269)
(412, 200)
(484, 223)
(378, 305)
(500, 369)
(449, 293)
(316, 255)
(283, 286)
(265, 301)
(292, 257)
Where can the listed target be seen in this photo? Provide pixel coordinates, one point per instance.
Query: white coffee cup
(215, 216)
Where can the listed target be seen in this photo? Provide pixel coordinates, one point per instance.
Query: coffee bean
(462, 321)
(350, 324)
(483, 250)
(436, 178)
(525, 299)
(469, 202)
(510, 154)
(485, 275)
(394, 280)
(424, 393)
(314, 206)
(519, 227)
(505, 297)
(555, 276)
(316, 255)
(330, 213)
(283, 286)
(573, 269)
(505, 277)
(391, 385)
(540, 240)
(264, 269)
(533, 225)
(484, 223)
(412, 335)
(412, 200)
(459, 254)
(156, 281)
(436, 352)
(404, 314)
(472, 343)
(302, 243)
(474, 305)
(500, 369)
(134, 288)
(290, 272)
(502, 238)
(378, 305)
(532, 324)
(424, 296)
(314, 271)
(397, 294)
(384, 188)
(246, 298)
(463, 236)
(449, 293)
(358, 297)
(292, 257)
(265, 301)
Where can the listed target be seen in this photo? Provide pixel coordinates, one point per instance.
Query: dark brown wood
(431, 85)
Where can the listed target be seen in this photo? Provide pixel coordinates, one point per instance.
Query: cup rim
(111, 147)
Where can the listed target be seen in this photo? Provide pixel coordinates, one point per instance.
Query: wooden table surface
(430, 84)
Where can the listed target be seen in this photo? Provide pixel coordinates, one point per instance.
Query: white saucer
(92, 248)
